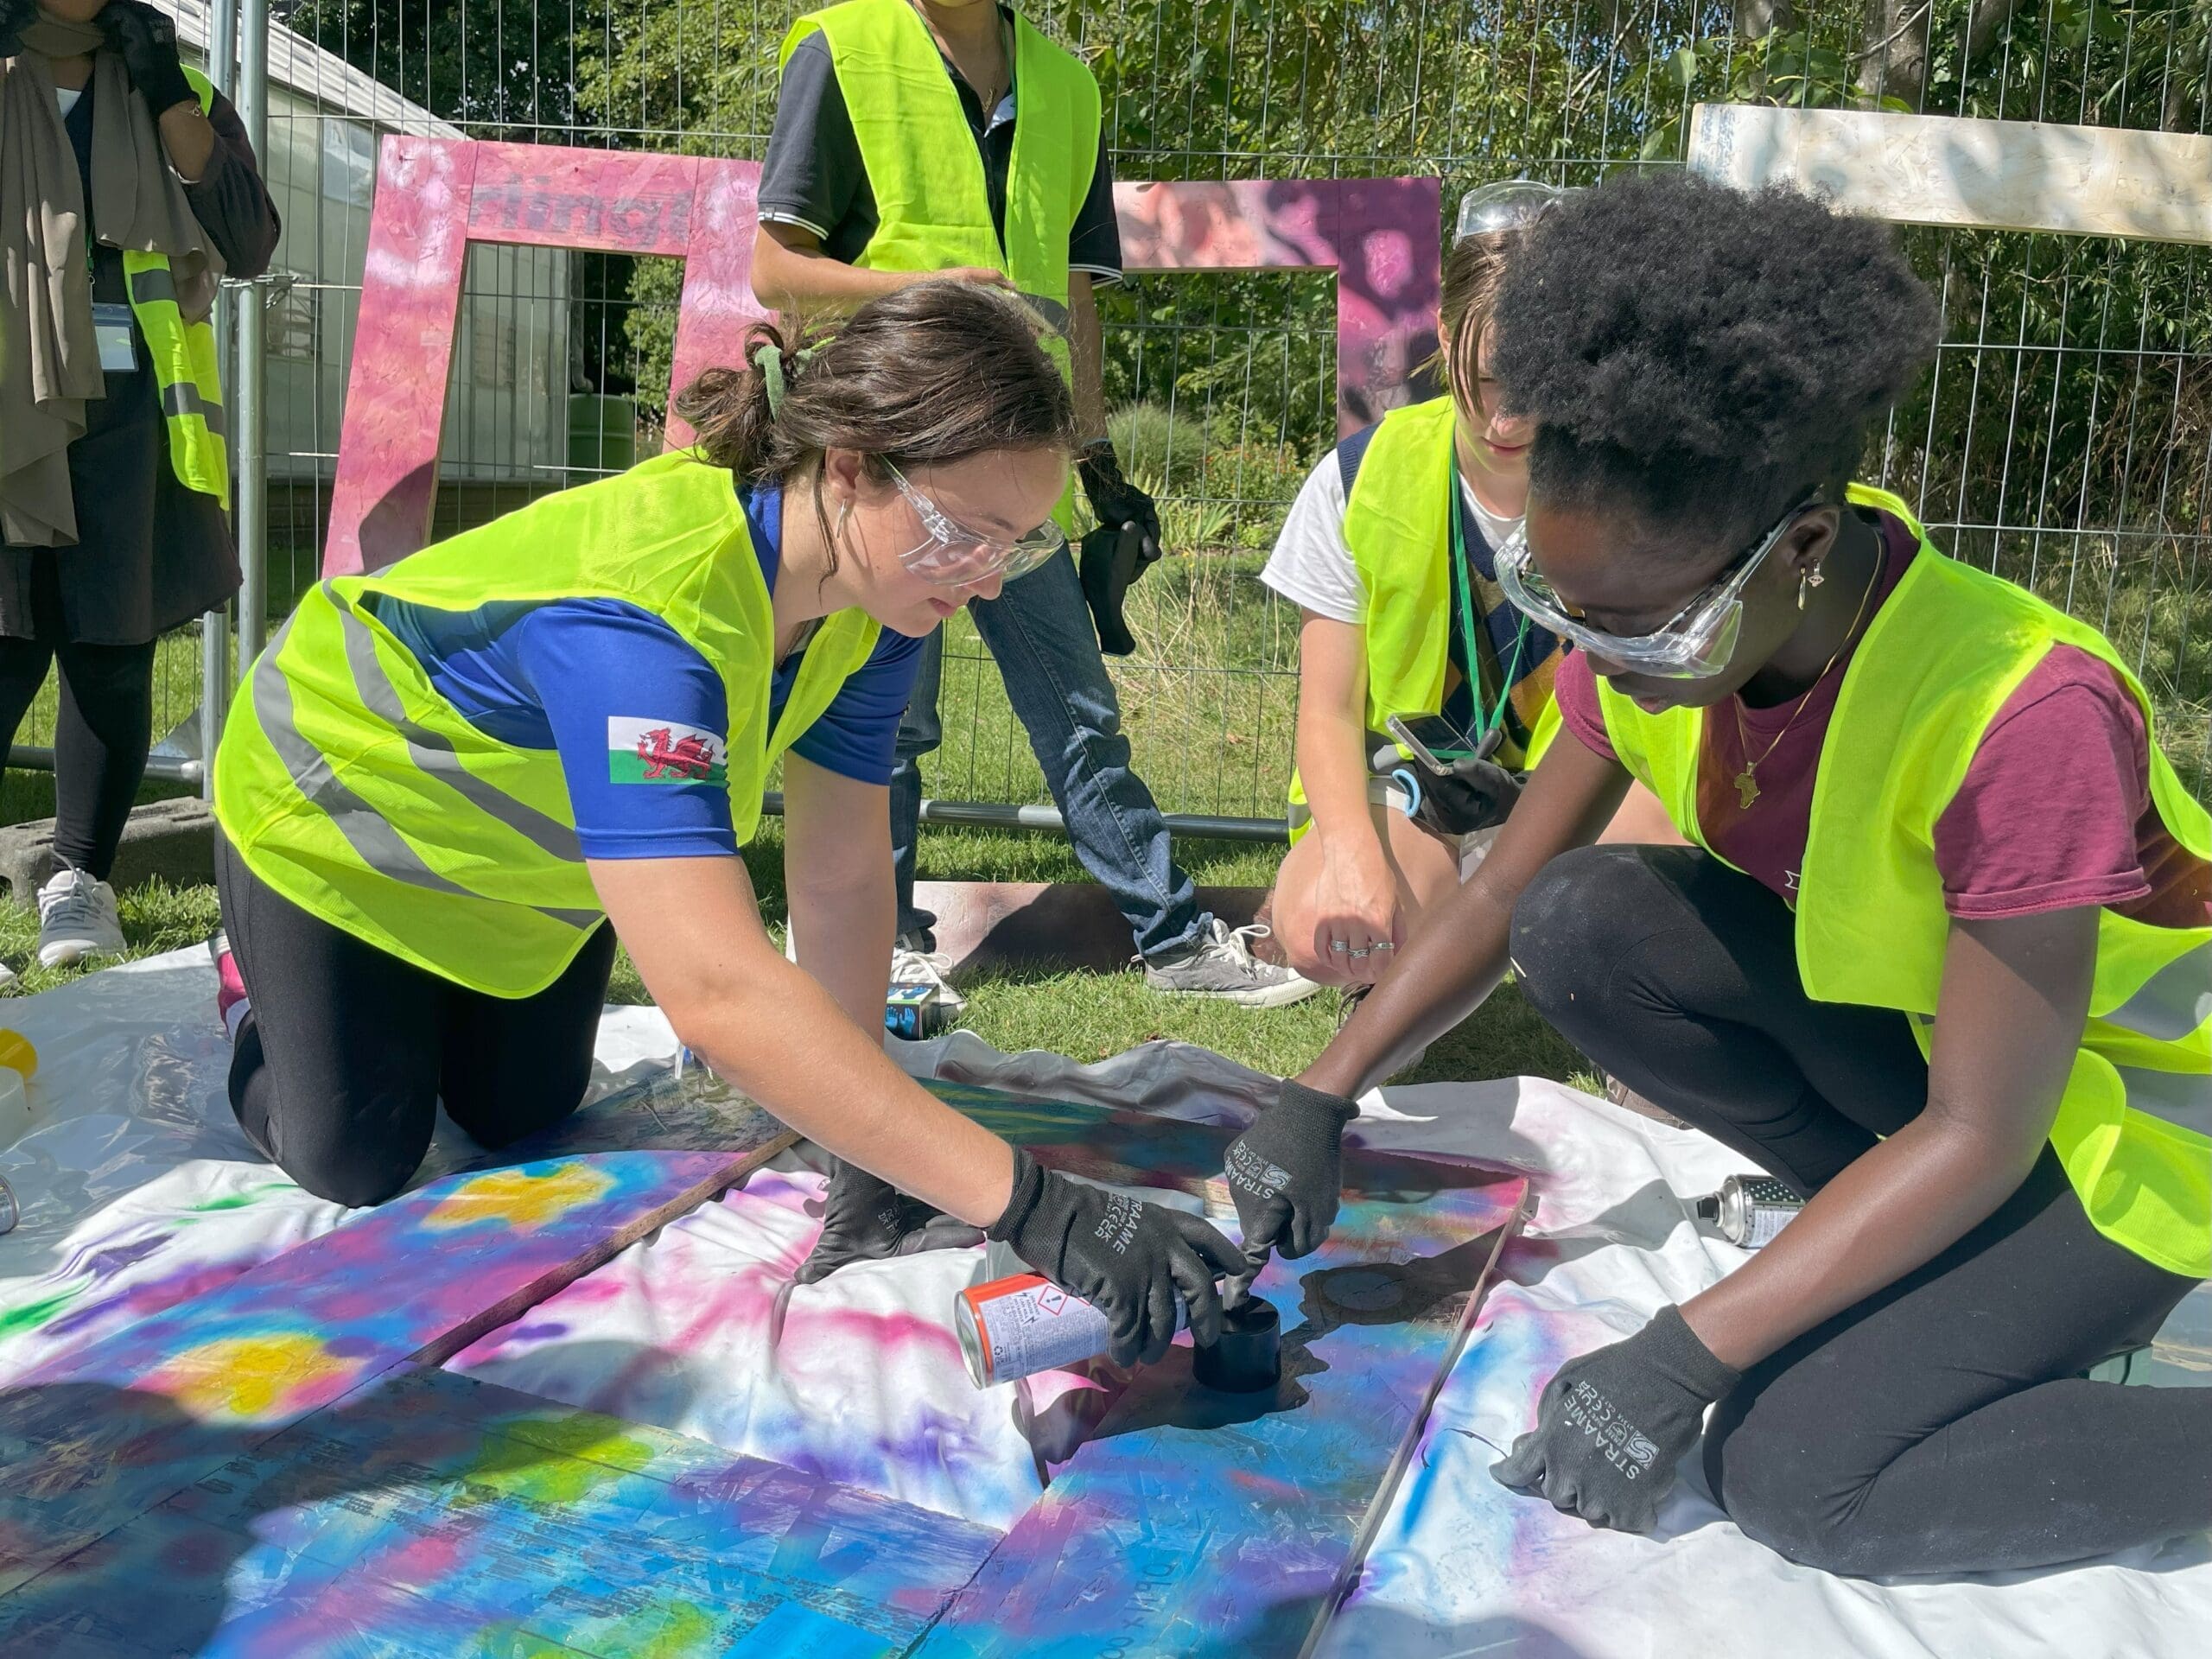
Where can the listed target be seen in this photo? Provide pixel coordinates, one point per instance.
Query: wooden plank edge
(1386, 1489)
(602, 1250)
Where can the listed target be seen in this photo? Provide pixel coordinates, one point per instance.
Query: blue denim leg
(1040, 631)
(919, 733)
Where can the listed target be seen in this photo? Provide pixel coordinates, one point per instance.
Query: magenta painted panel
(1390, 264)
(718, 299)
(402, 347)
(434, 195)
(543, 195)
(1381, 237)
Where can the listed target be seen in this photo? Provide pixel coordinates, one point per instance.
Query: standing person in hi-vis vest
(1389, 552)
(1938, 956)
(450, 785)
(914, 137)
(127, 188)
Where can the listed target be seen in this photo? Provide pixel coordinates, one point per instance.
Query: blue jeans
(1039, 632)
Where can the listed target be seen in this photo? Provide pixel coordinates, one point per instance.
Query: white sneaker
(914, 964)
(76, 919)
(1221, 963)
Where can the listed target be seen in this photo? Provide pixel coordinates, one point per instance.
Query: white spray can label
(1023, 1324)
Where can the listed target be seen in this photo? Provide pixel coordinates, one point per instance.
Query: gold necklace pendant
(1747, 788)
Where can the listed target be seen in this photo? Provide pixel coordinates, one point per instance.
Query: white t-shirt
(1313, 566)
(66, 97)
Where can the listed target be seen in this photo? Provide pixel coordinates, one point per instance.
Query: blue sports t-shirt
(637, 715)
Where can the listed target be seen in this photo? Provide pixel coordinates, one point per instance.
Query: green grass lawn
(1086, 1016)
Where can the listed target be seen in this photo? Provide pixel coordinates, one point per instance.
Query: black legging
(341, 1066)
(1941, 1425)
(102, 736)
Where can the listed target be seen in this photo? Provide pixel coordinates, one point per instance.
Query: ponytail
(932, 373)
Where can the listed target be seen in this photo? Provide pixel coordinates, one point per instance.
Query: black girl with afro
(1931, 833)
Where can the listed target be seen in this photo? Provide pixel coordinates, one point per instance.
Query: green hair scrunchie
(769, 359)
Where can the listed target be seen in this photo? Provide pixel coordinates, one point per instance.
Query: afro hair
(1704, 356)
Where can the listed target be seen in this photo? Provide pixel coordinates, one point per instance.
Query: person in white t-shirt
(1388, 552)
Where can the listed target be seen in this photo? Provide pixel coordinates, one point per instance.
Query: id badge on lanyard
(112, 328)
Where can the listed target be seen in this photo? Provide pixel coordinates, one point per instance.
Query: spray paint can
(1023, 1324)
(913, 1011)
(1015, 1324)
(1749, 1209)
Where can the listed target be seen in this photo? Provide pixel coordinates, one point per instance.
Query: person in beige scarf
(107, 147)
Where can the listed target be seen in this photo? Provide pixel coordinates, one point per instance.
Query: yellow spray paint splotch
(523, 1199)
(254, 1376)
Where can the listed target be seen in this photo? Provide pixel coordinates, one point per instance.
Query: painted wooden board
(1197, 1523)
(437, 1516)
(100, 1435)
(1941, 170)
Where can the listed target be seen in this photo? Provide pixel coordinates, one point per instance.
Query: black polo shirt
(814, 177)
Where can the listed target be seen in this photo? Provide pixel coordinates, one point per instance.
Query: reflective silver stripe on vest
(179, 398)
(2172, 1003)
(433, 752)
(2179, 1097)
(151, 286)
(365, 830)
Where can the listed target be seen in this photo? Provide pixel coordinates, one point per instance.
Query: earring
(845, 511)
(1807, 579)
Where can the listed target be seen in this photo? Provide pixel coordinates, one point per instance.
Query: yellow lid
(17, 1052)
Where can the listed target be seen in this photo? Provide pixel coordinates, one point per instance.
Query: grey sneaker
(76, 919)
(1221, 963)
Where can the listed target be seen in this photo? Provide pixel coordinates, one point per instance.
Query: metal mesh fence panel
(2064, 436)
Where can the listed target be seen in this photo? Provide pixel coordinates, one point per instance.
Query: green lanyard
(1486, 719)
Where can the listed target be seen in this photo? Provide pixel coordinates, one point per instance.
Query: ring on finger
(1358, 954)
(1339, 947)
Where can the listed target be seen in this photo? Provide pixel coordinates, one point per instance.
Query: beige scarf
(49, 364)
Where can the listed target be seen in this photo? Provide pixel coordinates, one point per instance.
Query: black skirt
(150, 554)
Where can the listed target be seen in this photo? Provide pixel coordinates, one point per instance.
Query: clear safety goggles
(955, 555)
(1506, 206)
(1695, 644)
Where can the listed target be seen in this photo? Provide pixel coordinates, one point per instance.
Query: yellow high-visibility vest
(348, 784)
(2134, 1126)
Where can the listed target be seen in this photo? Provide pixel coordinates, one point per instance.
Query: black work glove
(1612, 1424)
(1123, 547)
(866, 1219)
(1112, 558)
(1286, 1171)
(146, 40)
(1477, 793)
(1129, 1259)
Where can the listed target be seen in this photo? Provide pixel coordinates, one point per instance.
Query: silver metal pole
(248, 399)
(998, 815)
(215, 625)
(163, 768)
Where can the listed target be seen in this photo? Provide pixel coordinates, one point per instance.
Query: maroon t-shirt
(2055, 811)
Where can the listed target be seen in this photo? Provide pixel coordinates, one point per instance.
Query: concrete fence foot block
(174, 839)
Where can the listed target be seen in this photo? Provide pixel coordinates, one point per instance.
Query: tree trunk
(1756, 19)
(1895, 62)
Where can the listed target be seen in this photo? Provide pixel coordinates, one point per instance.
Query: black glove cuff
(1671, 1348)
(1099, 466)
(1029, 1188)
(1295, 1097)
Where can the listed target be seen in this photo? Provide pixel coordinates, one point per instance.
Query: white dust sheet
(137, 1191)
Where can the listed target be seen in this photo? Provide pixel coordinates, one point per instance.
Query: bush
(1160, 450)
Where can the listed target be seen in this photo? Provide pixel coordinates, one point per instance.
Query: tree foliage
(2075, 389)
